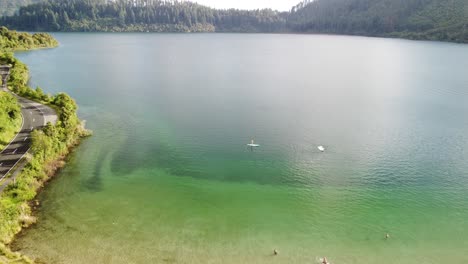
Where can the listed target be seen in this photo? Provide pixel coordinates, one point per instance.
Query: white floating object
(321, 148)
(252, 144)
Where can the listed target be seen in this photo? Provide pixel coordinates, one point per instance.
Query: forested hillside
(419, 19)
(416, 19)
(9, 7)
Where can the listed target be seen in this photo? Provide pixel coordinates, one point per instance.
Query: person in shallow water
(387, 236)
(325, 261)
(275, 252)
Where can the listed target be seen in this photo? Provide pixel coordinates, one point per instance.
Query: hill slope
(418, 19)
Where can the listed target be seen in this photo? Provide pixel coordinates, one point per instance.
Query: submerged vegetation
(415, 19)
(48, 151)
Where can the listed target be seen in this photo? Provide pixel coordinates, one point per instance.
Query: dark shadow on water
(94, 183)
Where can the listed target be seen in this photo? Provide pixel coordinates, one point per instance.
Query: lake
(167, 176)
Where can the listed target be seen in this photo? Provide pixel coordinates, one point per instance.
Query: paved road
(35, 116)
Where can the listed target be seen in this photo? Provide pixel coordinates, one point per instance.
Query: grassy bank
(10, 118)
(49, 149)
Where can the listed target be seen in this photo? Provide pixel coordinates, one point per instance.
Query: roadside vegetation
(10, 118)
(49, 149)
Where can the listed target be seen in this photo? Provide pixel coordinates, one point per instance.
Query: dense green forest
(417, 19)
(156, 16)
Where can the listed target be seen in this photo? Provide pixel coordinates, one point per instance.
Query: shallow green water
(167, 176)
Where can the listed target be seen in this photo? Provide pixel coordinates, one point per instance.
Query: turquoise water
(167, 176)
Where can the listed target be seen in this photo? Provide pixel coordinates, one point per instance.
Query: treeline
(12, 40)
(419, 19)
(129, 15)
(49, 148)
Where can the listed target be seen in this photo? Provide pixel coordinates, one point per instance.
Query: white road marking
(14, 152)
(34, 119)
(25, 138)
(14, 165)
(30, 112)
(1, 164)
(32, 128)
(40, 111)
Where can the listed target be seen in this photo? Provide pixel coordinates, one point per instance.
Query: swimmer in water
(387, 236)
(275, 252)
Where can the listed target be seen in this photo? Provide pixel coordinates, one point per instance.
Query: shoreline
(33, 49)
(6, 250)
(51, 168)
(35, 204)
(384, 36)
(48, 151)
